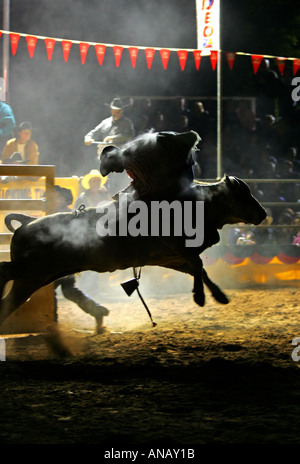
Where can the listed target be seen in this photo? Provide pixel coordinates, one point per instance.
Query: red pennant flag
(213, 58)
(281, 64)
(83, 46)
(256, 60)
(149, 52)
(0, 33)
(165, 55)
(182, 56)
(230, 59)
(14, 40)
(49, 47)
(31, 43)
(133, 51)
(197, 58)
(296, 66)
(100, 52)
(118, 54)
(66, 46)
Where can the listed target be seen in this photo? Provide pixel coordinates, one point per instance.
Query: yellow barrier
(28, 189)
(25, 190)
(248, 273)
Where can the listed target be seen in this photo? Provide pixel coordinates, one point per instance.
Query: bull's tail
(22, 218)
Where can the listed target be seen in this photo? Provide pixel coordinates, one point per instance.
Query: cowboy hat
(116, 104)
(91, 175)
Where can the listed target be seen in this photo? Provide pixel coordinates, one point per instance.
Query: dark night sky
(65, 100)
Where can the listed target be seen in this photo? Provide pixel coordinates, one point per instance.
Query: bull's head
(111, 160)
(244, 207)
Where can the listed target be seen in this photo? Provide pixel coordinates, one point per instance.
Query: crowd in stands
(264, 147)
(260, 140)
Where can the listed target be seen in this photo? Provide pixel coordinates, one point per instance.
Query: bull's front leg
(198, 289)
(195, 266)
(215, 290)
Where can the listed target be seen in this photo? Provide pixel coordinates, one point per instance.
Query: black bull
(45, 249)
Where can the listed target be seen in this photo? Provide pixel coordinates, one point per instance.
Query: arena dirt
(212, 375)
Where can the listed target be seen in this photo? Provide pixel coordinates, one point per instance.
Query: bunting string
(100, 50)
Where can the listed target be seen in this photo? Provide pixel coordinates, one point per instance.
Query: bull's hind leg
(215, 290)
(20, 292)
(6, 274)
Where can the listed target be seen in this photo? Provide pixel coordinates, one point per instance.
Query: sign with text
(208, 28)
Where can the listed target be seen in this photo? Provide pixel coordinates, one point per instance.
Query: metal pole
(219, 105)
(200, 5)
(6, 20)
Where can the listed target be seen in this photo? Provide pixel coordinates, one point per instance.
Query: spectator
(22, 144)
(265, 235)
(7, 122)
(267, 132)
(296, 222)
(158, 122)
(200, 119)
(95, 191)
(63, 198)
(246, 116)
(116, 129)
(284, 235)
(288, 190)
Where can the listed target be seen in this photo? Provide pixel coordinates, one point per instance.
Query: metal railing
(48, 172)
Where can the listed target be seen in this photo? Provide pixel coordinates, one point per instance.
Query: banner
(100, 52)
(209, 46)
(182, 56)
(256, 61)
(50, 43)
(165, 55)
(231, 59)
(118, 54)
(66, 46)
(149, 52)
(83, 47)
(214, 58)
(208, 27)
(133, 51)
(14, 40)
(197, 58)
(296, 66)
(281, 65)
(31, 43)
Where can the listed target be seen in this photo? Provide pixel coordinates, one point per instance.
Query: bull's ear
(231, 180)
(184, 141)
(111, 149)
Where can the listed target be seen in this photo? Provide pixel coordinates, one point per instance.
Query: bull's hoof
(220, 297)
(103, 311)
(199, 298)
